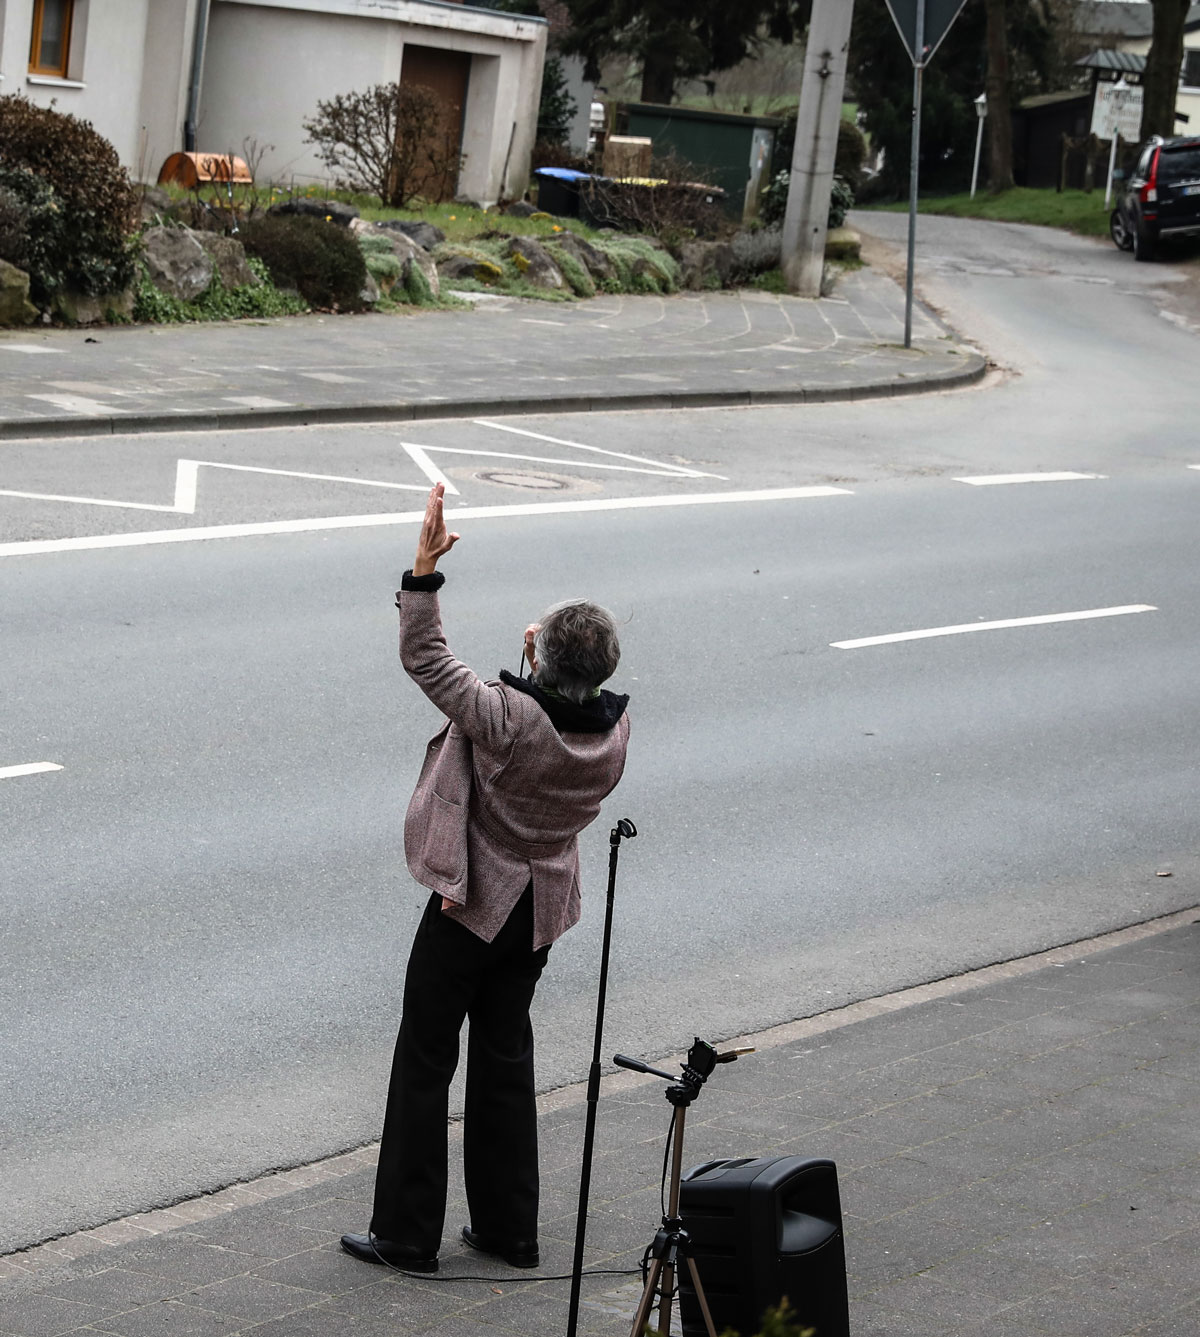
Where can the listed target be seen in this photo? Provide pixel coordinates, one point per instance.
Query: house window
(49, 48)
(1191, 68)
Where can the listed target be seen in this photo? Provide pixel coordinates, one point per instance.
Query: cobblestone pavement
(692, 349)
(1018, 1149)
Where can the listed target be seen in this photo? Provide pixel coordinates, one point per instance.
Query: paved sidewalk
(507, 356)
(1019, 1154)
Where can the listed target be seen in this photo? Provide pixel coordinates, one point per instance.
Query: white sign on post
(1117, 111)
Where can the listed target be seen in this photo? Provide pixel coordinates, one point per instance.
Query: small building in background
(158, 76)
(723, 149)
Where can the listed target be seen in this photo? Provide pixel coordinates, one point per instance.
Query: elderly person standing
(517, 771)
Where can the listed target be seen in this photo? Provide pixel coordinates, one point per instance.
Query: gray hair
(576, 648)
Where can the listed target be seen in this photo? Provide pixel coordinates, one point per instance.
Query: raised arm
(480, 711)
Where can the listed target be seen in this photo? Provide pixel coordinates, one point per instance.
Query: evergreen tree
(678, 39)
(882, 78)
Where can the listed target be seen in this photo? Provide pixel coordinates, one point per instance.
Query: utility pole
(806, 220)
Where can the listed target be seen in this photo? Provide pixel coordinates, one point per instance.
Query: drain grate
(533, 482)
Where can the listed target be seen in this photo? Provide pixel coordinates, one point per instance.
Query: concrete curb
(974, 369)
(28, 1262)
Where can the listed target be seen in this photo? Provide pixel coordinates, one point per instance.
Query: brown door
(446, 73)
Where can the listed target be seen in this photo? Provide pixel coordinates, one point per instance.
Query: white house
(156, 76)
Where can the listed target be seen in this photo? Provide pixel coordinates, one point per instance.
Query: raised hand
(434, 541)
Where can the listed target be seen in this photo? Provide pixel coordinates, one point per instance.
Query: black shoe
(407, 1257)
(516, 1253)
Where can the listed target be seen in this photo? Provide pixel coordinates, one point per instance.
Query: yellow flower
(329, 218)
(557, 228)
(453, 217)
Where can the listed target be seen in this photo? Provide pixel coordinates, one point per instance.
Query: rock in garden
(15, 306)
(843, 243)
(370, 291)
(154, 203)
(177, 263)
(705, 264)
(406, 250)
(469, 267)
(534, 263)
(424, 234)
(597, 264)
(520, 209)
(229, 260)
(334, 210)
(92, 309)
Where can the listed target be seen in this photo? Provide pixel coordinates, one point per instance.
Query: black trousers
(453, 975)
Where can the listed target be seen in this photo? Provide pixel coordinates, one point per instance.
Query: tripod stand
(672, 1244)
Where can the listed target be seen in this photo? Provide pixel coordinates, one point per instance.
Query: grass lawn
(1074, 210)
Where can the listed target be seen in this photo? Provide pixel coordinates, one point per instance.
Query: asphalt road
(205, 911)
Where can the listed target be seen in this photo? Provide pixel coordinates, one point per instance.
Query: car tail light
(1149, 192)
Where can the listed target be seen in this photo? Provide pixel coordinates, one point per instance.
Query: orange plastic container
(196, 169)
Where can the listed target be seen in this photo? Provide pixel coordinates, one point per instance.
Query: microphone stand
(627, 829)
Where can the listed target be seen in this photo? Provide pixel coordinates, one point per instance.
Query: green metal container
(726, 149)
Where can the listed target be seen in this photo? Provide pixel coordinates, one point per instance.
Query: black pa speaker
(762, 1230)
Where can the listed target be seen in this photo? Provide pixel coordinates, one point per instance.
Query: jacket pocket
(443, 842)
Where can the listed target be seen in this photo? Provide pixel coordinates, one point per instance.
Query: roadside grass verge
(1073, 210)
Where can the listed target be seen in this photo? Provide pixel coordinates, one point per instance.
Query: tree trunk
(999, 117)
(658, 74)
(1160, 83)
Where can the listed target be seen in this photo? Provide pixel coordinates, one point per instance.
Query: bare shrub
(672, 204)
(393, 140)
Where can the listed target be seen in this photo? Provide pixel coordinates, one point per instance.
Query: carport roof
(1126, 62)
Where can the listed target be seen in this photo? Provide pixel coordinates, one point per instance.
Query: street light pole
(981, 113)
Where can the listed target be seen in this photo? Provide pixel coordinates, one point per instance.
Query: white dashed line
(27, 348)
(332, 377)
(29, 768)
(991, 626)
(992, 480)
(257, 402)
(30, 547)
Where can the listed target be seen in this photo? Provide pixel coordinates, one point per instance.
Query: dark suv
(1160, 198)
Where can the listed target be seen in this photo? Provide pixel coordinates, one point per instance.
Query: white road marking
(598, 450)
(333, 377)
(30, 768)
(427, 467)
(27, 547)
(256, 402)
(91, 501)
(531, 320)
(665, 472)
(992, 626)
(1194, 466)
(78, 404)
(186, 477)
(991, 480)
(27, 348)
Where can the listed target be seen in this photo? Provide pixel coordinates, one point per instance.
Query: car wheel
(1144, 246)
(1119, 232)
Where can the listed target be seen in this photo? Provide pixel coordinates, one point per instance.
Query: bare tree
(1160, 83)
(393, 140)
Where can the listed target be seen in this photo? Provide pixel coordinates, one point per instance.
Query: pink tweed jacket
(503, 794)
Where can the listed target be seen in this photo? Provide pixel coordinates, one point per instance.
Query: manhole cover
(536, 482)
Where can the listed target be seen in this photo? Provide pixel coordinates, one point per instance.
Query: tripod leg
(664, 1308)
(642, 1317)
(708, 1322)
